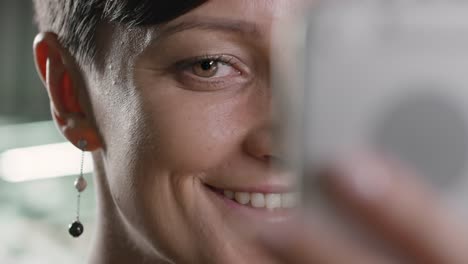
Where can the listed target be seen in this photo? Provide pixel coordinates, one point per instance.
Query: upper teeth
(261, 200)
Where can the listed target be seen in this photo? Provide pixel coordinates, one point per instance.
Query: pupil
(207, 65)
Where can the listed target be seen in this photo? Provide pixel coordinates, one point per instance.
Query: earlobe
(62, 81)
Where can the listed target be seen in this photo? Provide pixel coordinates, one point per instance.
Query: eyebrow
(212, 24)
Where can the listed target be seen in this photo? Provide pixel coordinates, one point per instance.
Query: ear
(65, 86)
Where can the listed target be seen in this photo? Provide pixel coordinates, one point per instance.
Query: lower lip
(278, 215)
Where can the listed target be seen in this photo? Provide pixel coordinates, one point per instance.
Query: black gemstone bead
(75, 229)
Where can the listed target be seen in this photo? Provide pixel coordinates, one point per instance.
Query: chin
(224, 226)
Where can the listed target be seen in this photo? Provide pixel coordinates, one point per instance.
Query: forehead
(239, 16)
(250, 10)
(124, 43)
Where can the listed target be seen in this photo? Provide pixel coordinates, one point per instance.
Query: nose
(264, 125)
(258, 144)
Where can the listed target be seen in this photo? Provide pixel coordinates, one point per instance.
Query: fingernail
(365, 176)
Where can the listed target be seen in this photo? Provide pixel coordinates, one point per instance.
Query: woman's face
(184, 110)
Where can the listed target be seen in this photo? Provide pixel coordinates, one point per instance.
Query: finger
(316, 242)
(392, 201)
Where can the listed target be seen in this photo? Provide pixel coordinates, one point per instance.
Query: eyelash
(185, 76)
(222, 59)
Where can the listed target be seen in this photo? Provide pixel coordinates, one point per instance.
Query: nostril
(267, 158)
(258, 145)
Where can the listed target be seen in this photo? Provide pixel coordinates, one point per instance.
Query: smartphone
(390, 74)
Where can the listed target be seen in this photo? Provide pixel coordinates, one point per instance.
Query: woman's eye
(206, 68)
(212, 72)
(211, 68)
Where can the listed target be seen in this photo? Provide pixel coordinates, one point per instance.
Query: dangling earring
(76, 228)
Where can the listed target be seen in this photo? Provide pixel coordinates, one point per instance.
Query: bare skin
(164, 129)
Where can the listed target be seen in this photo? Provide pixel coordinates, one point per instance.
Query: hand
(393, 204)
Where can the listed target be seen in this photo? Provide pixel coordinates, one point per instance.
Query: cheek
(120, 120)
(196, 131)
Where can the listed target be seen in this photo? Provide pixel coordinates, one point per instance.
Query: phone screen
(390, 75)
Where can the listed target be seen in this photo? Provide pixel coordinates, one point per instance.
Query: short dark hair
(75, 21)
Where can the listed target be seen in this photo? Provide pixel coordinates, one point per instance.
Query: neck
(113, 241)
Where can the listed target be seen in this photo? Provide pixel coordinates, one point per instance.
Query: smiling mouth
(258, 200)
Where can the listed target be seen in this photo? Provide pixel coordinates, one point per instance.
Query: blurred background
(37, 166)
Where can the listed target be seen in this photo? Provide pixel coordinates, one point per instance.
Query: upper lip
(251, 179)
